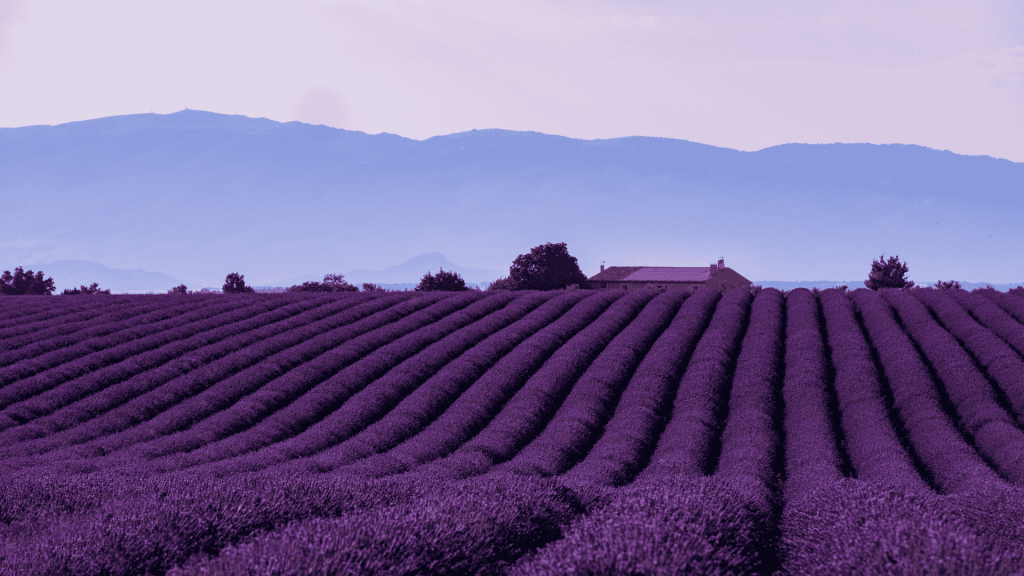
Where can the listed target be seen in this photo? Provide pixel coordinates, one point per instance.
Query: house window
(625, 287)
(604, 284)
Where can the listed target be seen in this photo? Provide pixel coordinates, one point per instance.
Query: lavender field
(527, 433)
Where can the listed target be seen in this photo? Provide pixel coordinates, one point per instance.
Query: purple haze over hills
(196, 195)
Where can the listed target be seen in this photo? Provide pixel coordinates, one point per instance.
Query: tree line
(545, 267)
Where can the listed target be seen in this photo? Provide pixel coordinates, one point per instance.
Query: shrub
(990, 425)
(443, 282)
(871, 441)
(888, 274)
(684, 446)
(482, 402)
(235, 284)
(93, 288)
(954, 465)
(811, 449)
(331, 283)
(854, 527)
(581, 418)
(25, 283)
(502, 284)
(672, 525)
(632, 432)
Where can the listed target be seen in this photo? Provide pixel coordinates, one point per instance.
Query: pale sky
(943, 74)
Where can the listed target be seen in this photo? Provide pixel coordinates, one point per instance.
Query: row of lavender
(599, 391)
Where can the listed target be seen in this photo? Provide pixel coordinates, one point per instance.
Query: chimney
(721, 264)
(602, 267)
(714, 269)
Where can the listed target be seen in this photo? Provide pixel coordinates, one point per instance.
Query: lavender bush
(992, 317)
(684, 445)
(633, 430)
(526, 413)
(478, 406)
(812, 455)
(737, 433)
(991, 426)
(1000, 362)
(953, 464)
(875, 451)
(577, 423)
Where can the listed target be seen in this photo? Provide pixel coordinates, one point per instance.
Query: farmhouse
(673, 278)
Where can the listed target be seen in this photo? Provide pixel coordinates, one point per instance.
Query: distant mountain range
(195, 195)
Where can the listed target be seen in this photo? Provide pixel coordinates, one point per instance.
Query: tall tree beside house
(235, 284)
(23, 283)
(441, 282)
(889, 273)
(546, 267)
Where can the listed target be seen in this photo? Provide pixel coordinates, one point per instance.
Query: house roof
(653, 274)
(614, 273)
(674, 274)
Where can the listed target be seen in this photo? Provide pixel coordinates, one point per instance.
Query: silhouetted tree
(547, 267)
(331, 283)
(950, 285)
(889, 273)
(444, 282)
(179, 289)
(235, 284)
(337, 283)
(501, 284)
(93, 288)
(368, 287)
(1018, 291)
(23, 283)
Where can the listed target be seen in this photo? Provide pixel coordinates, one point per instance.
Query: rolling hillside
(527, 433)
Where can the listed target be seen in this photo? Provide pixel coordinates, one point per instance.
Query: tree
(1018, 291)
(950, 285)
(337, 283)
(25, 283)
(179, 289)
(235, 284)
(547, 267)
(888, 274)
(331, 283)
(93, 288)
(443, 282)
(501, 284)
(368, 287)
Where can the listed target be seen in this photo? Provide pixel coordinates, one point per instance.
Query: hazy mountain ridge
(74, 273)
(197, 193)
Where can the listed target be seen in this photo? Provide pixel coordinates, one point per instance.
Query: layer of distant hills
(195, 195)
(405, 276)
